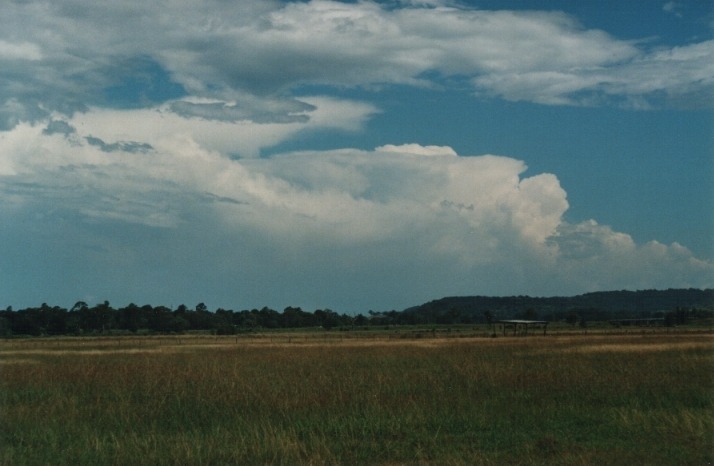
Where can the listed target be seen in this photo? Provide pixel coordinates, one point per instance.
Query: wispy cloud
(10, 51)
(673, 8)
(264, 48)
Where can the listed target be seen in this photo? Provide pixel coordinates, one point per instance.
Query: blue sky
(353, 155)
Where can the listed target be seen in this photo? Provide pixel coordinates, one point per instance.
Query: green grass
(619, 399)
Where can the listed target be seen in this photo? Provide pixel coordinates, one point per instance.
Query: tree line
(674, 306)
(82, 319)
(595, 306)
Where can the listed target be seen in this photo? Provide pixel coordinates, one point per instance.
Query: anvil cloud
(160, 152)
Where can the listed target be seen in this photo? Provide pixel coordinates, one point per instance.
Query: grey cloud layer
(63, 55)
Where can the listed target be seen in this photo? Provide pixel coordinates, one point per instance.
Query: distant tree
(490, 320)
(160, 319)
(201, 307)
(198, 320)
(682, 315)
(293, 317)
(79, 306)
(327, 318)
(177, 324)
(72, 327)
(132, 318)
(268, 318)
(246, 319)
(27, 322)
(670, 319)
(5, 327)
(571, 317)
(223, 322)
(450, 317)
(104, 315)
(56, 320)
(361, 320)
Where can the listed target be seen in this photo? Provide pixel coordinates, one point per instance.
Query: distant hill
(601, 305)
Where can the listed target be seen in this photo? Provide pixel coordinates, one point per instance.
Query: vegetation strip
(622, 308)
(569, 399)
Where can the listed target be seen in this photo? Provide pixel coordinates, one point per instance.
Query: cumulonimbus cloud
(131, 135)
(460, 222)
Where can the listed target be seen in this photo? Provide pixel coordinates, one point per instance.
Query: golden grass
(644, 348)
(18, 361)
(632, 343)
(584, 343)
(326, 398)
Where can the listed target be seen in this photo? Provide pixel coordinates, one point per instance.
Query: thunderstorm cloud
(133, 140)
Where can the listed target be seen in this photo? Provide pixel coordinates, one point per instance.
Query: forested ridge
(594, 306)
(676, 305)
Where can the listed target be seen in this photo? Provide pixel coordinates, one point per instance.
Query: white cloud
(599, 258)
(19, 51)
(168, 189)
(397, 224)
(161, 126)
(64, 55)
(672, 8)
(416, 149)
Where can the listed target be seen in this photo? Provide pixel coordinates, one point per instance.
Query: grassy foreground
(578, 399)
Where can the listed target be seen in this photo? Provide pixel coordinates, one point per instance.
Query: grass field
(313, 399)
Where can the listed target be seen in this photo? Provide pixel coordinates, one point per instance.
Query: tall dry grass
(537, 400)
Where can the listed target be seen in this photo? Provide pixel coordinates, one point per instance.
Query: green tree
(132, 318)
(327, 318)
(56, 320)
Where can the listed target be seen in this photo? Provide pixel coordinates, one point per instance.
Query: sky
(353, 155)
